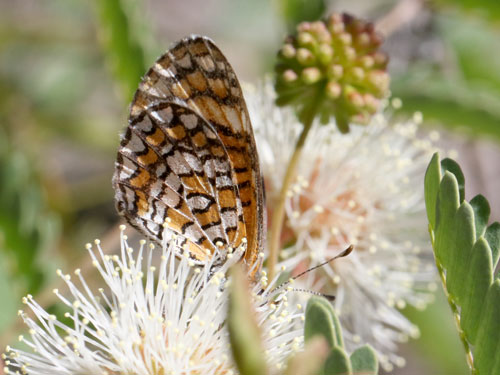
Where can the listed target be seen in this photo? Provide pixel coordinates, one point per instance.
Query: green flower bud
(305, 57)
(288, 51)
(333, 68)
(311, 75)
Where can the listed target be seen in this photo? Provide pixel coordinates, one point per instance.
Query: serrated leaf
(492, 235)
(453, 167)
(487, 353)
(364, 361)
(481, 214)
(338, 363)
(476, 283)
(461, 248)
(447, 206)
(431, 183)
(244, 333)
(310, 361)
(319, 321)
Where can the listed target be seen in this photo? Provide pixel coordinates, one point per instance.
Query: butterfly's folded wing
(189, 118)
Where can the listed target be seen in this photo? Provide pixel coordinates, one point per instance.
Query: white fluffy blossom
(363, 188)
(154, 314)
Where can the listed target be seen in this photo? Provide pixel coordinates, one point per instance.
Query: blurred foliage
(28, 230)
(120, 42)
(296, 11)
(462, 91)
(486, 8)
(438, 342)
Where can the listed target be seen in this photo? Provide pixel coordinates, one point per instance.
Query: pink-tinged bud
(371, 103)
(336, 71)
(363, 40)
(355, 99)
(288, 51)
(367, 62)
(305, 57)
(333, 90)
(289, 75)
(358, 73)
(337, 62)
(311, 75)
(349, 53)
(345, 39)
(379, 80)
(305, 39)
(325, 53)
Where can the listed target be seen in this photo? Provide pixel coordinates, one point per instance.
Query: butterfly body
(188, 160)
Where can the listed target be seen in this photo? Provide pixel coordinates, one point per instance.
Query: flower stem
(279, 209)
(456, 315)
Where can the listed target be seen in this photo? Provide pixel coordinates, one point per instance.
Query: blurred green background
(68, 69)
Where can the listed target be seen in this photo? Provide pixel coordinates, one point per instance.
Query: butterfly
(188, 159)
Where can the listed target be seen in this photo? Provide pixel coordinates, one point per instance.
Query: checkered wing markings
(195, 74)
(171, 163)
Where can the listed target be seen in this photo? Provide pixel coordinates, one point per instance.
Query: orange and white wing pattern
(188, 157)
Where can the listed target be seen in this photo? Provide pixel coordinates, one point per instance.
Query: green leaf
(122, 50)
(487, 352)
(432, 180)
(320, 321)
(460, 251)
(452, 166)
(310, 360)
(476, 284)
(244, 333)
(481, 213)
(447, 206)
(492, 235)
(338, 363)
(364, 361)
(296, 11)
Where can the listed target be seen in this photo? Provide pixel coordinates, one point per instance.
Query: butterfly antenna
(341, 255)
(329, 297)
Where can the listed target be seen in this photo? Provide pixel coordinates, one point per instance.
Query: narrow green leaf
(319, 321)
(122, 50)
(310, 361)
(487, 350)
(364, 361)
(244, 333)
(432, 180)
(476, 283)
(481, 214)
(463, 240)
(447, 206)
(492, 235)
(453, 167)
(338, 363)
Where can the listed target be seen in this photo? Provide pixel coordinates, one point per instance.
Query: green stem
(456, 315)
(279, 209)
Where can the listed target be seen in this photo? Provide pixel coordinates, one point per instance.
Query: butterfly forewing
(189, 156)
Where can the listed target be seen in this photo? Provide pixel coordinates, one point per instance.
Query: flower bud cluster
(334, 66)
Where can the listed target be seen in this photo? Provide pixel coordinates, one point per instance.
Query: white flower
(155, 314)
(363, 188)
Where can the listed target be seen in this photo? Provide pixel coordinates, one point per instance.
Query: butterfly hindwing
(192, 150)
